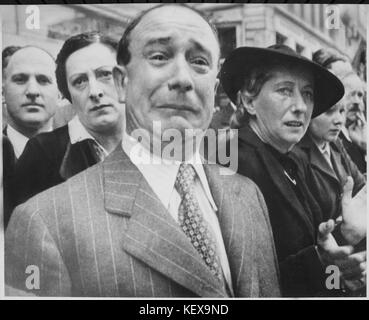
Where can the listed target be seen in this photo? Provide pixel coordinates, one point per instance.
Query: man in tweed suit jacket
(111, 230)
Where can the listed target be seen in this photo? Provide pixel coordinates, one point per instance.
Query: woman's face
(91, 86)
(282, 110)
(327, 126)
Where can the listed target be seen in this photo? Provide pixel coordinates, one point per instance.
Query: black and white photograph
(184, 150)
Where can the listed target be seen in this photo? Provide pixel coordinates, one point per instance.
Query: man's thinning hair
(7, 53)
(123, 54)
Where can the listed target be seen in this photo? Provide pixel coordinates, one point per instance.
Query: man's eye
(43, 80)
(158, 57)
(20, 79)
(104, 74)
(200, 61)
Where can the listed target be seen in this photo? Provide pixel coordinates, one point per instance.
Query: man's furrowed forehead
(167, 22)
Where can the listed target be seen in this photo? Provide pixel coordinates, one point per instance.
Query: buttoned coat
(104, 232)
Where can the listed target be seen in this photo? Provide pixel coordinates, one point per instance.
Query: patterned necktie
(192, 221)
(99, 153)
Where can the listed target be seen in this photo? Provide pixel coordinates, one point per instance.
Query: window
(299, 48)
(279, 38)
(227, 39)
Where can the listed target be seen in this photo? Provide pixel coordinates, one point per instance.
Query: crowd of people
(96, 221)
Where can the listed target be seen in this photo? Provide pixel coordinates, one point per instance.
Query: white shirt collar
(77, 133)
(17, 139)
(325, 149)
(161, 174)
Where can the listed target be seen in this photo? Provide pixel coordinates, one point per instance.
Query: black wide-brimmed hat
(328, 89)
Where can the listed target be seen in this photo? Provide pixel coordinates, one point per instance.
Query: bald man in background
(31, 95)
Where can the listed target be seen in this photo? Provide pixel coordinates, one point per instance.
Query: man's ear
(247, 102)
(120, 81)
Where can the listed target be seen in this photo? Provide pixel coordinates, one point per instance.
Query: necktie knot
(185, 178)
(99, 153)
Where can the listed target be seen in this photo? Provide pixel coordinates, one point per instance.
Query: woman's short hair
(252, 83)
(72, 45)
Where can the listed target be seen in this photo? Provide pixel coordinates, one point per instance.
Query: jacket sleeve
(300, 269)
(269, 276)
(33, 263)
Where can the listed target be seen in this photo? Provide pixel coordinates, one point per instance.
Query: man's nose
(33, 89)
(356, 98)
(182, 78)
(96, 91)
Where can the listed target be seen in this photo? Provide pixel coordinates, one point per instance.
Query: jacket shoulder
(58, 135)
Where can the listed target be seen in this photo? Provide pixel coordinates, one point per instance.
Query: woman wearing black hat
(277, 92)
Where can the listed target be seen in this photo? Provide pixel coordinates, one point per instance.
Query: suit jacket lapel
(225, 196)
(78, 157)
(318, 161)
(339, 166)
(316, 158)
(152, 235)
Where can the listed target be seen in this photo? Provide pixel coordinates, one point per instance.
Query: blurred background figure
(84, 77)
(353, 132)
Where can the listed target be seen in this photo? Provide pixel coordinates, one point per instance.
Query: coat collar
(78, 157)
(316, 158)
(248, 136)
(152, 235)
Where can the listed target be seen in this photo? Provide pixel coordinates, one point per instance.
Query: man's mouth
(295, 124)
(101, 106)
(178, 107)
(31, 104)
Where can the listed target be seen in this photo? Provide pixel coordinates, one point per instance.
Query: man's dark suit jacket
(49, 159)
(104, 232)
(294, 225)
(356, 154)
(325, 182)
(9, 161)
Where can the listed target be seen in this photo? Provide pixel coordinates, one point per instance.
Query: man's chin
(35, 120)
(180, 123)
